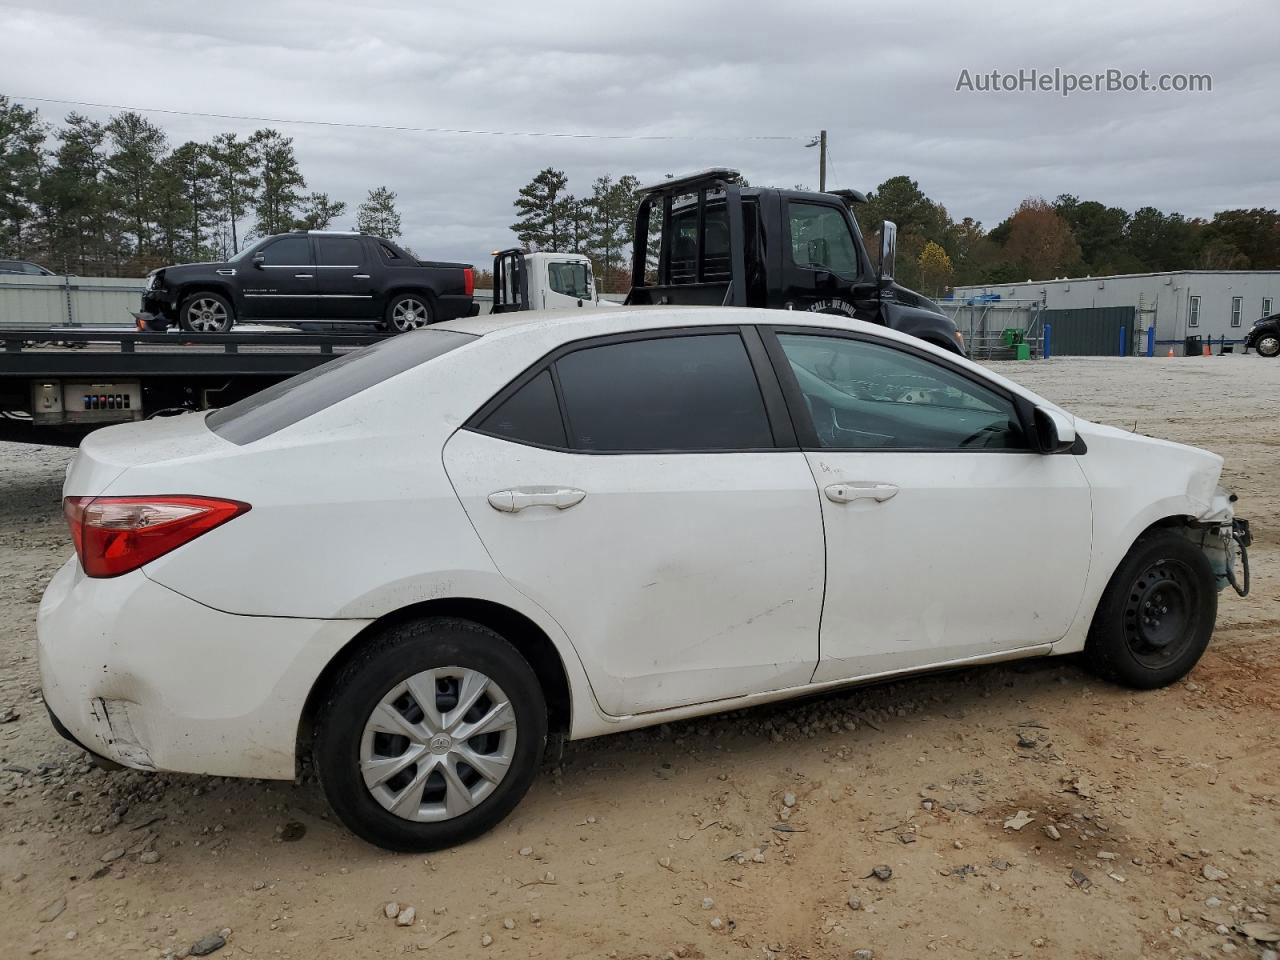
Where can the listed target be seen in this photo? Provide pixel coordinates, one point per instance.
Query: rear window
(297, 398)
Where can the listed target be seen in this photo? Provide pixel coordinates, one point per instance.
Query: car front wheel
(1269, 345)
(206, 312)
(408, 311)
(1156, 615)
(430, 735)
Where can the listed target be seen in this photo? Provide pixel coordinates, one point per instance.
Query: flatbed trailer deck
(56, 384)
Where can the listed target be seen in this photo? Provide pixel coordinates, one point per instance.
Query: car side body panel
(1135, 481)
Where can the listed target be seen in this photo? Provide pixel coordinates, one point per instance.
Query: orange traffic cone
(1171, 351)
(1207, 351)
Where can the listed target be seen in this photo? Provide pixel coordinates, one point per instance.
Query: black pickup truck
(313, 276)
(722, 243)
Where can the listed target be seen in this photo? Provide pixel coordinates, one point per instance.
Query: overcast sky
(880, 78)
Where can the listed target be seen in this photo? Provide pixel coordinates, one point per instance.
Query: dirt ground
(1154, 825)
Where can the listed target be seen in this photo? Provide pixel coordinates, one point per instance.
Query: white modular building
(1213, 304)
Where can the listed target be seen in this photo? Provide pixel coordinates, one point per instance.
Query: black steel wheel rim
(1161, 613)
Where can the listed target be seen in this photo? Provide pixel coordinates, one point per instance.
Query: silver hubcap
(438, 744)
(1269, 346)
(207, 315)
(410, 315)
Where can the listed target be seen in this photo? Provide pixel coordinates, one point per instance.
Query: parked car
(24, 268)
(589, 522)
(313, 276)
(1265, 336)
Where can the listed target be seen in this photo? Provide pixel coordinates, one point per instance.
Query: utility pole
(820, 141)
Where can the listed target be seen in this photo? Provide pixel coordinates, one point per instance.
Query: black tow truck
(722, 243)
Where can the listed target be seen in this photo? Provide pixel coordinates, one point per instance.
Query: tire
(1156, 615)
(442, 658)
(206, 312)
(1268, 345)
(407, 312)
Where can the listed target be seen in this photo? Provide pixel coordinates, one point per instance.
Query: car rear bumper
(150, 679)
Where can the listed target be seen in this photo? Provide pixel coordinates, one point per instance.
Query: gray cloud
(880, 79)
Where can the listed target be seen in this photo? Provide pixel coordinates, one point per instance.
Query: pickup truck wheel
(408, 311)
(1156, 615)
(430, 735)
(1268, 345)
(206, 312)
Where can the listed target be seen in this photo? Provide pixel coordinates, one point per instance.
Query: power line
(404, 129)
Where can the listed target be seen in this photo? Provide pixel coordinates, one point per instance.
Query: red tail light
(114, 535)
(468, 281)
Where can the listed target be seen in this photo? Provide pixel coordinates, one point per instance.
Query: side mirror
(888, 251)
(259, 259)
(1055, 431)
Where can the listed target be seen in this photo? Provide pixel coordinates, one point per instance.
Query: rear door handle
(861, 490)
(304, 276)
(515, 500)
(359, 276)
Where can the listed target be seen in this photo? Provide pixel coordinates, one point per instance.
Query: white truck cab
(542, 281)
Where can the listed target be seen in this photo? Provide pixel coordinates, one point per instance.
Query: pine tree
(544, 213)
(193, 164)
(21, 160)
(280, 182)
(378, 215)
(232, 160)
(137, 147)
(613, 207)
(318, 211)
(72, 199)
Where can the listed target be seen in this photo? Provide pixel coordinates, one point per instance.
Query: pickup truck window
(569, 278)
(821, 239)
(288, 252)
(340, 251)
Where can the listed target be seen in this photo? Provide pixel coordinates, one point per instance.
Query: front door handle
(861, 490)
(304, 276)
(515, 500)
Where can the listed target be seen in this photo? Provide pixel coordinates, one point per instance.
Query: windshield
(244, 252)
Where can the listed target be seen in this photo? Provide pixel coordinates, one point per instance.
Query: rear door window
(681, 393)
(340, 251)
(297, 398)
(530, 415)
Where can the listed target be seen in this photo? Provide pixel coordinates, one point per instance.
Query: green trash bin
(1022, 351)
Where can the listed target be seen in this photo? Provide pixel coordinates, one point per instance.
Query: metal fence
(1092, 331)
(68, 301)
(993, 328)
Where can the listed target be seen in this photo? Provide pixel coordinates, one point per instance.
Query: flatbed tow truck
(720, 243)
(57, 384)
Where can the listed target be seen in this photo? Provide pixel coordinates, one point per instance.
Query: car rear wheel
(431, 735)
(1269, 345)
(206, 312)
(1156, 615)
(408, 311)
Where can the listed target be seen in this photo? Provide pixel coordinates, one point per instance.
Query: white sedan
(425, 561)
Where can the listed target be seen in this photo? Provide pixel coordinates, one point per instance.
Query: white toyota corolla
(424, 561)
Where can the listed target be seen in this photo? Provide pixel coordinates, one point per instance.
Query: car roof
(586, 322)
(559, 327)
